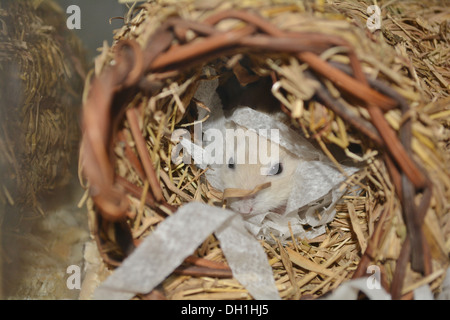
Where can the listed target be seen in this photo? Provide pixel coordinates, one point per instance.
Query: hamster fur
(247, 176)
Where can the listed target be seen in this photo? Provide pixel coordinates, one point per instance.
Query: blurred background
(37, 248)
(95, 21)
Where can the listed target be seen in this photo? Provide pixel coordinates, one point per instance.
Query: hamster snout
(279, 172)
(243, 205)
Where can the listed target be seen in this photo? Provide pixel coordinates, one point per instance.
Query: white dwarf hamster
(244, 175)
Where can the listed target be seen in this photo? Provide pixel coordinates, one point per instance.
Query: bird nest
(378, 98)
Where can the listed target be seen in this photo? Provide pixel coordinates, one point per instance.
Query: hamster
(248, 175)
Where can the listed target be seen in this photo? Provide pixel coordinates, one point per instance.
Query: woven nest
(42, 76)
(380, 97)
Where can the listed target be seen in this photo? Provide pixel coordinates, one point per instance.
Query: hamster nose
(245, 205)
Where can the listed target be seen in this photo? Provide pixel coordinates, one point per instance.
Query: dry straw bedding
(409, 54)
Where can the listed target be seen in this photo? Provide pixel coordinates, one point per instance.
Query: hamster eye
(275, 169)
(231, 163)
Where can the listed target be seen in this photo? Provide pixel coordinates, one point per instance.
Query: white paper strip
(423, 293)
(176, 238)
(445, 293)
(349, 290)
(248, 260)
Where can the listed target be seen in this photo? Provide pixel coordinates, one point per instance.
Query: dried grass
(411, 53)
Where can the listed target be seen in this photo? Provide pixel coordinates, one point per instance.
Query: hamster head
(239, 172)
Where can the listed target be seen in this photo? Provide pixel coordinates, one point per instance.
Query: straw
(397, 129)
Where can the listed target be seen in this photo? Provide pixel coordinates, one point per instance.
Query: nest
(42, 68)
(381, 98)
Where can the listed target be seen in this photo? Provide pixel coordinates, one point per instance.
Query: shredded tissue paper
(317, 188)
